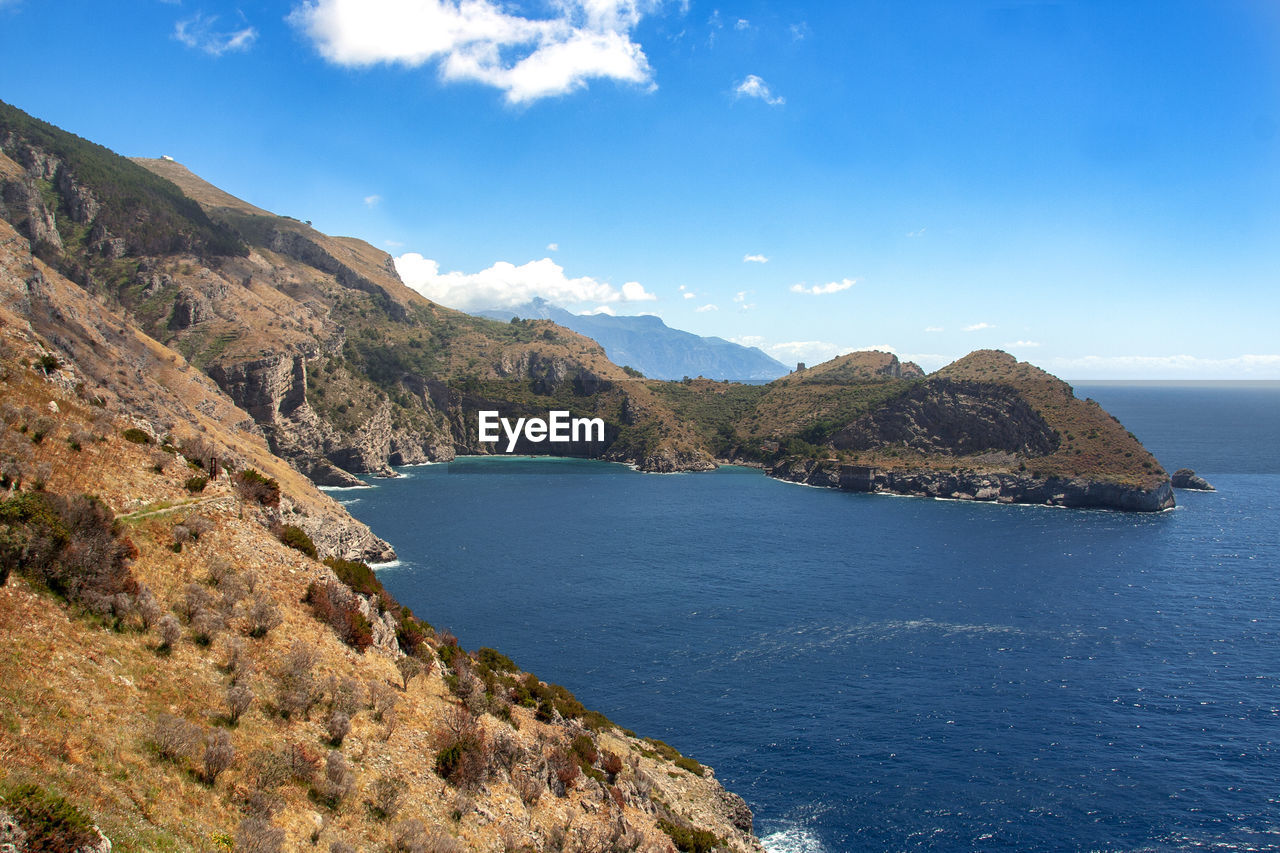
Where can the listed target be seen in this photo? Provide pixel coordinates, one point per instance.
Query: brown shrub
(255, 835)
(611, 764)
(219, 753)
(298, 690)
(206, 624)
(174, 738)
(239, 698)
(382, 698)
(349, 696)
(388, 794)
(268, 769)
(170, 632)
(263, 616)
(338, 782)
(338, 725)
(148, 608)
(335, 605)
(565, 771)
(303, 762)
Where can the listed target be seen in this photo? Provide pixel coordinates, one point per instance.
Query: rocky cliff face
(104, 358)
(943, 416)
(1016, 488)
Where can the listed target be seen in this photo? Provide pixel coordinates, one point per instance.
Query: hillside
(648, 345)
(182, 672)
(345, 370)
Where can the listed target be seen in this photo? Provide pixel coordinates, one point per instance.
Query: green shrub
(136, 435)
(70, 545)
(51, 823)
(412, 633)
(584, 747)
(688, 839)
(196, 484)
(691, 764)
(252, 486)
(357, 575)
(297, 539)
(496, 660)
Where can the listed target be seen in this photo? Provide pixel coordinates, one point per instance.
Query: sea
(878, 673)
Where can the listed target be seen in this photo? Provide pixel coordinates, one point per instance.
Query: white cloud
(479, 40)
(748, 340)
(815, 351)
(372, 200)
(600, 309)
(754, 259)
(393, 244)
(742, 24)
(799, 31)
(821, 289)
(740, 296)
(201, 33)
(919, 233)
(1255, 366)
(754, 87)
(934, 329)
(553, 247)
(688, 295)
(708, 307)
(1022, 344)
(505, 285)
(633, 291)
(978, 327)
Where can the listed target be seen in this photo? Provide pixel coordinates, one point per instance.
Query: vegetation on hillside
(150, 214)
(170, 678)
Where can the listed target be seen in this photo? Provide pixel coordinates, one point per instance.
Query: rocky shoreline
(1003, 488)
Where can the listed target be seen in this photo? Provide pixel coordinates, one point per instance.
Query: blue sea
(882, 673)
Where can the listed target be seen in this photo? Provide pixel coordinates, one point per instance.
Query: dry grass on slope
(124, 708)
(1093, 443)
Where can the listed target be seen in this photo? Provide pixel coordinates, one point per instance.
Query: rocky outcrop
(22, 205)
(268, 388)
(1078, 493)
(910, 370)
(958, 418)
(671, 461)
(1185, 478)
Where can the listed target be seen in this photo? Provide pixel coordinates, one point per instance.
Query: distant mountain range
(650, 346)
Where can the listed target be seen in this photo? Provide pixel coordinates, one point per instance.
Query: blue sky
(1093, 186)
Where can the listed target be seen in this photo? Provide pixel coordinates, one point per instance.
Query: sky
(1091, 186)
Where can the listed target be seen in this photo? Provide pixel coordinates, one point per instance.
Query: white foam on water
(793, 839)
(390, 564)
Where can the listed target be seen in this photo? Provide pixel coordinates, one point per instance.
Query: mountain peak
(646, 343)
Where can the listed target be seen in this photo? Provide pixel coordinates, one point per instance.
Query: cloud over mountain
(505, 285)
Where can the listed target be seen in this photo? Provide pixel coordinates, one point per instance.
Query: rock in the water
(1185, 478)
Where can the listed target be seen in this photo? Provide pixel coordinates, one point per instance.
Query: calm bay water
(879, 673)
